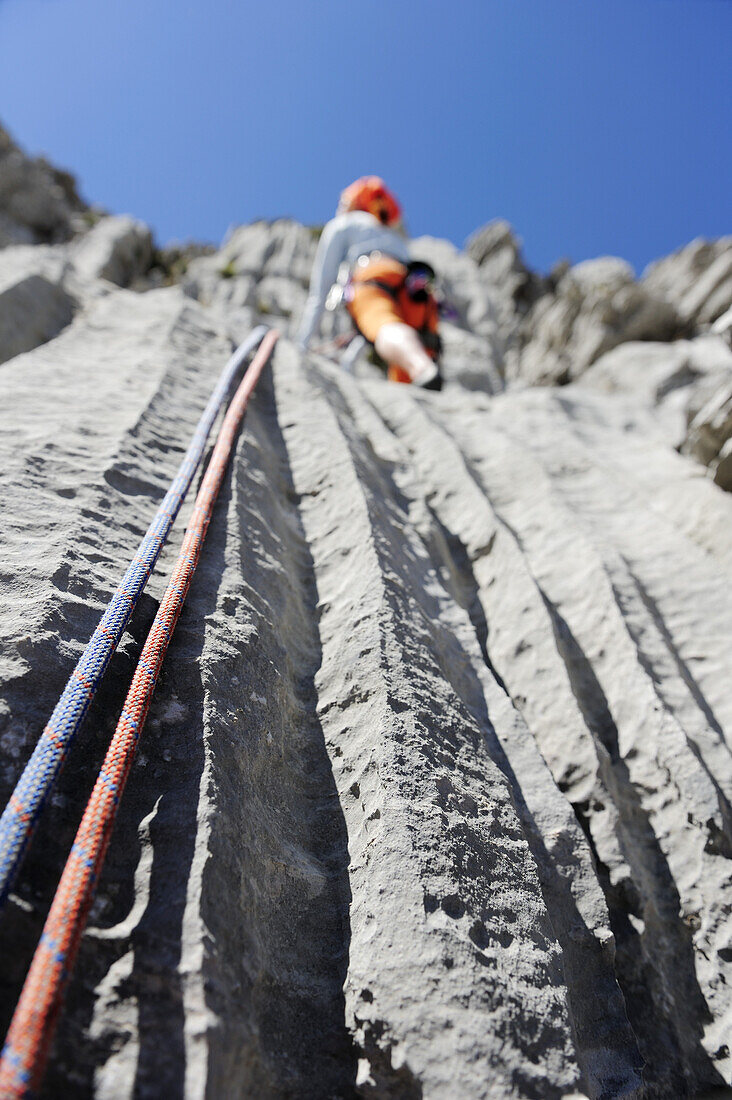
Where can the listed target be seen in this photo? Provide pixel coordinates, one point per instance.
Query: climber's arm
(332, 248)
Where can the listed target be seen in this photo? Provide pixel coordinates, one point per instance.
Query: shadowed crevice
(275, 894)
(656, 968)
(722, 841)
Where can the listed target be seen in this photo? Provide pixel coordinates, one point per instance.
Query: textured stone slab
(116, 249)
(434, 797)
(32, 310)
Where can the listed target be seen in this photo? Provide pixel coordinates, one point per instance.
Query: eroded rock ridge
(434, 798)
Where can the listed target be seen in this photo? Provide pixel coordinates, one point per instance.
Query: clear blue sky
(593, 126)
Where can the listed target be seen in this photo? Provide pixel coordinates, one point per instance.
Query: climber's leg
(399, 344)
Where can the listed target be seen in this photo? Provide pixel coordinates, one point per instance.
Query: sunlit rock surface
(117, 249)
(434, 795)
(697, 279)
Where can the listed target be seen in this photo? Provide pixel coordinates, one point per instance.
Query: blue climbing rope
(27, 800)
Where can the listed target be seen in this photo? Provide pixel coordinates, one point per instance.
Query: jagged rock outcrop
(723, 326)
(696, 279)
(42, 286)
(118, 249)
(497, 252)
(596, 305)
(682, 390)
(38, 203)
(434, 796)
(34, 302)
(709, 437)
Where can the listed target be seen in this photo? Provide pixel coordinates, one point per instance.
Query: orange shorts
(370, 306)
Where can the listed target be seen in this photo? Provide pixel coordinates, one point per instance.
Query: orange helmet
(371, 194)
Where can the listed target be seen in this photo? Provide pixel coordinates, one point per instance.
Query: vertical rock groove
(434, 796)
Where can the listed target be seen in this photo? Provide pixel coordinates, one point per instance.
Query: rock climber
(365, 260)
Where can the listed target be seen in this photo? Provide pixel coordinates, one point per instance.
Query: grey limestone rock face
(396, 804)
(42, 286)
(710, 432)
(664, 384)
(434, 797)
(281, 248)
(34, 304)
(723, 326)
(38, 203)
(264, 267)
(116, 249)
(681, 390)
(697, 279)
(597, 305)
(497, 252)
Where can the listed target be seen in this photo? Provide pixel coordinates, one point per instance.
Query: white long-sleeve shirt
(345, 238)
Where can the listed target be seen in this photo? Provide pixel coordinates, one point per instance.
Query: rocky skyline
(434, 796)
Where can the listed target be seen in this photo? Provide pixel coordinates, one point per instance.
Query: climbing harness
(413, 293)
(27, 800)
(376, 278)
(31, 1031)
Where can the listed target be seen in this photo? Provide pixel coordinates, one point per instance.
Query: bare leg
(398, 343)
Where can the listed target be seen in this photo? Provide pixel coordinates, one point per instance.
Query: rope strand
(27, 800)
(31, 1031)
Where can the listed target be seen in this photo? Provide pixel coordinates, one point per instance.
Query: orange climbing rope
(31, 1031)
(40, 773)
